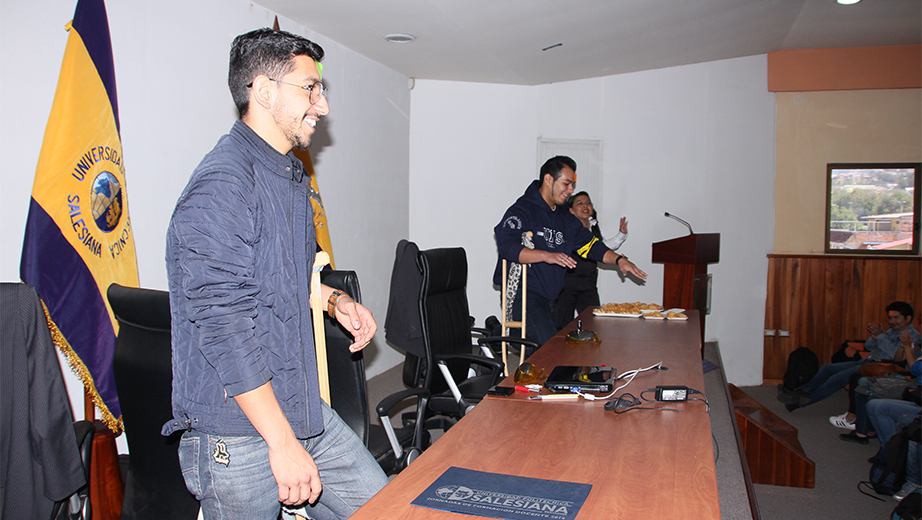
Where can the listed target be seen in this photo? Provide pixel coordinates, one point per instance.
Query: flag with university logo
(78, 236)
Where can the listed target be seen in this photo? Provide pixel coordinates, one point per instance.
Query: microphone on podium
(690, 232)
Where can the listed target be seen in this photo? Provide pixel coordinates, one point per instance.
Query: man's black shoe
(791, 407)
(853, 437)
(793, 396)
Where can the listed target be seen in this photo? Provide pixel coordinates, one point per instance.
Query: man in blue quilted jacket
(240, 247)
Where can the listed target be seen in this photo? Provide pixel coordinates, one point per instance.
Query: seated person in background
(888, 416)
(580, 285)
(883, 346)
(856, 418)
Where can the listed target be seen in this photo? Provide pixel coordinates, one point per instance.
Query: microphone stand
(690, 232)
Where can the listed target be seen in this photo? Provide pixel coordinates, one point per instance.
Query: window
(873, 208)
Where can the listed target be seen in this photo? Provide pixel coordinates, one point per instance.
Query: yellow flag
(78, 237)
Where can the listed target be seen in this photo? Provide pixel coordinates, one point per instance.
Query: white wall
(171, 69)
(697, 141)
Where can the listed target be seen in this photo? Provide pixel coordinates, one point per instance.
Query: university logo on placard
(454, 492)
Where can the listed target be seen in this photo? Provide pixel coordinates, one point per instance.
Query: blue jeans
(231, 476)
(831, 378)
(889, 416)
(913, 468)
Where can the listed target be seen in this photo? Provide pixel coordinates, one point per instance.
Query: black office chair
(442, 323)
(394, 449)
(77, 506)
(154, 487)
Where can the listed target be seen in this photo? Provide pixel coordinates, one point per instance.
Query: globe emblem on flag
(454, 492)
(106, 201)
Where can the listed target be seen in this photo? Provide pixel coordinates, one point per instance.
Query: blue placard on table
(507, 497)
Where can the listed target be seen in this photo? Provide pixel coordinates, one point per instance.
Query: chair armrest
(385, 406)
(389, 402)
(473, 358)
(508, 339)
(481, 332)
(496, 367)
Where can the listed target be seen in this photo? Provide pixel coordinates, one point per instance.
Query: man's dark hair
(264, 51)
(901, 307)
(553, 166)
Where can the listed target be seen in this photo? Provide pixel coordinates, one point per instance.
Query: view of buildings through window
(872, 207)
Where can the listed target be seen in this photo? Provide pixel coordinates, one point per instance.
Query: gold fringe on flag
(80, 370)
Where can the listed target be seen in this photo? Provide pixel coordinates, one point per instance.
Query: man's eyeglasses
(315, 89)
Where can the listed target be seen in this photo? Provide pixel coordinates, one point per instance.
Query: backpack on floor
(888, 468)
(910, 508)
(802, 366)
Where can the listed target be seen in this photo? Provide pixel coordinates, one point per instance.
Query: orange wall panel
(855, 68)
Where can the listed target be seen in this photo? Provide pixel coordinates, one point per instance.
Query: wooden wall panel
(824, 300)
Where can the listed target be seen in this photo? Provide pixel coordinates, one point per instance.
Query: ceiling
(501, 41)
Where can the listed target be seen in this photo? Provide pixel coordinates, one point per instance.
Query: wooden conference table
(641, 464)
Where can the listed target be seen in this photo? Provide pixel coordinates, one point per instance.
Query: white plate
(678, 319)
(648, 317)
(648, 311)
(673, 310)
(600, 313)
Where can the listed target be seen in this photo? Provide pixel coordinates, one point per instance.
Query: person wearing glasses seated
(580, 285)
(240, 246)
(884, 346)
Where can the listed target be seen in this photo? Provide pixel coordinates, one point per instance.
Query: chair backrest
(142, 366)
(402, 324)
(348, 394)
(444, 309)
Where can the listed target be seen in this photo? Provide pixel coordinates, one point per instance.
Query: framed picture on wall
(873, 208)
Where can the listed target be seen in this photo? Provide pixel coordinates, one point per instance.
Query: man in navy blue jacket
(240, 246)
(555, 234)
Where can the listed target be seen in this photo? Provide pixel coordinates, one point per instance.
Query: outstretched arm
(623, 264)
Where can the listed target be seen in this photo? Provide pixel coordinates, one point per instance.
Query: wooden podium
(686, 283)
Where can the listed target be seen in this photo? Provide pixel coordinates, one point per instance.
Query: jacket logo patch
(513, 222)
(220, 454)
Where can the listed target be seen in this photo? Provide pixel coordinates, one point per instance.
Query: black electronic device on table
(594, 379)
